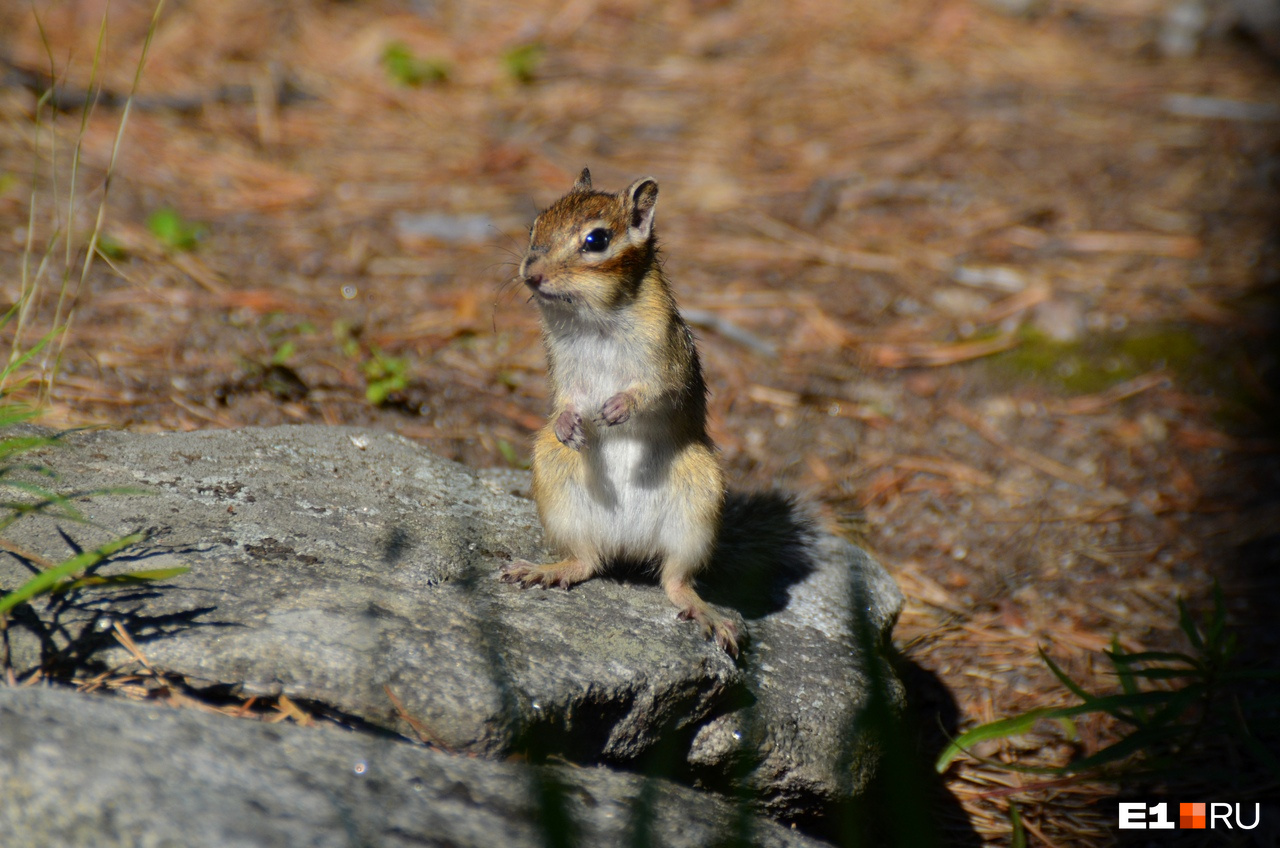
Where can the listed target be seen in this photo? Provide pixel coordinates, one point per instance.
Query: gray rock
(332, 565)
(71, 775)
(329, 564)
(817, 632)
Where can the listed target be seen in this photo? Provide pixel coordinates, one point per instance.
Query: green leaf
(110, 248)
(409, 70)
(15, 413)
(22, 444)
(25, 357)
(1063, 678)
(1127, 682)
(174, 231)
(284, 353)
(46, 580)
(522, 62)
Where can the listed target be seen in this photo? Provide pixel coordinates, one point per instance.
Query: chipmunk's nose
(533, 281)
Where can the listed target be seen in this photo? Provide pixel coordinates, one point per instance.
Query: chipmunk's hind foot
(714, 625)
(563, 574)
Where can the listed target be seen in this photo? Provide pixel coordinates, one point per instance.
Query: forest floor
(998, 291)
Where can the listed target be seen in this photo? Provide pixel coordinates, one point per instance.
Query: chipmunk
(624, 469)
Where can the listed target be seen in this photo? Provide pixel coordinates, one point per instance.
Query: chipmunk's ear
(642, 196)
(584, 181)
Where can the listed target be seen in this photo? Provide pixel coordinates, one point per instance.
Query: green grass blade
(1002, 728)
(1122, 670)
(126, 579)
(23, 358)
(1177, 703)
(15, 413)
(1063, 678)
(22, 444)
(1018, 835)
(1188, 626)
(46, 580)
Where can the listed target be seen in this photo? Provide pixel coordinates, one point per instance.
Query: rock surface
(333, 564)
(71, 776)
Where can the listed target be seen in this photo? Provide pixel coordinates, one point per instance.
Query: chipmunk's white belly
(633, 502)
(625, 503)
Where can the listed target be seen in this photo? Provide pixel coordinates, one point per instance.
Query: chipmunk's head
(591, 250)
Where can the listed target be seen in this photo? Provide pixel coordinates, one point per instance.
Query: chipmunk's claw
(714, 626)
(528, 574)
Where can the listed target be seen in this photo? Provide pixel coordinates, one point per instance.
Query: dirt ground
(998, 290)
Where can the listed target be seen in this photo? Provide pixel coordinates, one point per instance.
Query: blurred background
(992, 281)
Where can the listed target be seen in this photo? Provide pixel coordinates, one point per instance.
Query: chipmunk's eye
(597, 240)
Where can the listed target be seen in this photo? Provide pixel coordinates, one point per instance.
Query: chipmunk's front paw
(714, 626)
(563, 574)
(617, 409)
(569, 430)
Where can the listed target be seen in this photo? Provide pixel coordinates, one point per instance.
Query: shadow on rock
(766, 545)
(67, 629)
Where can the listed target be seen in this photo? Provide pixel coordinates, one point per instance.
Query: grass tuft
(1186, 712)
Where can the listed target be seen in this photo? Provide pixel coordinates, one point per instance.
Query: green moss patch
(1102, 360)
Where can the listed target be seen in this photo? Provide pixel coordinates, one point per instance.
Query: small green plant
(1175, 703)
(284, 352)
(35, 499)
(282, 336)
(1017, 832)
(412, 71)
(384, 375)
(522, 62)
(175, 232)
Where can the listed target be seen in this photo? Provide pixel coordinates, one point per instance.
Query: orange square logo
(1191, 815)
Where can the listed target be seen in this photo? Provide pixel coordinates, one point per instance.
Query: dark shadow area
(395, 545)
(907, 803)
(766, 545)
(1238, 523)
(72, 626)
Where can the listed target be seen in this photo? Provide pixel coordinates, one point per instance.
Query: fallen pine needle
(1089, 404)
(1039, 462)
(931, 354)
